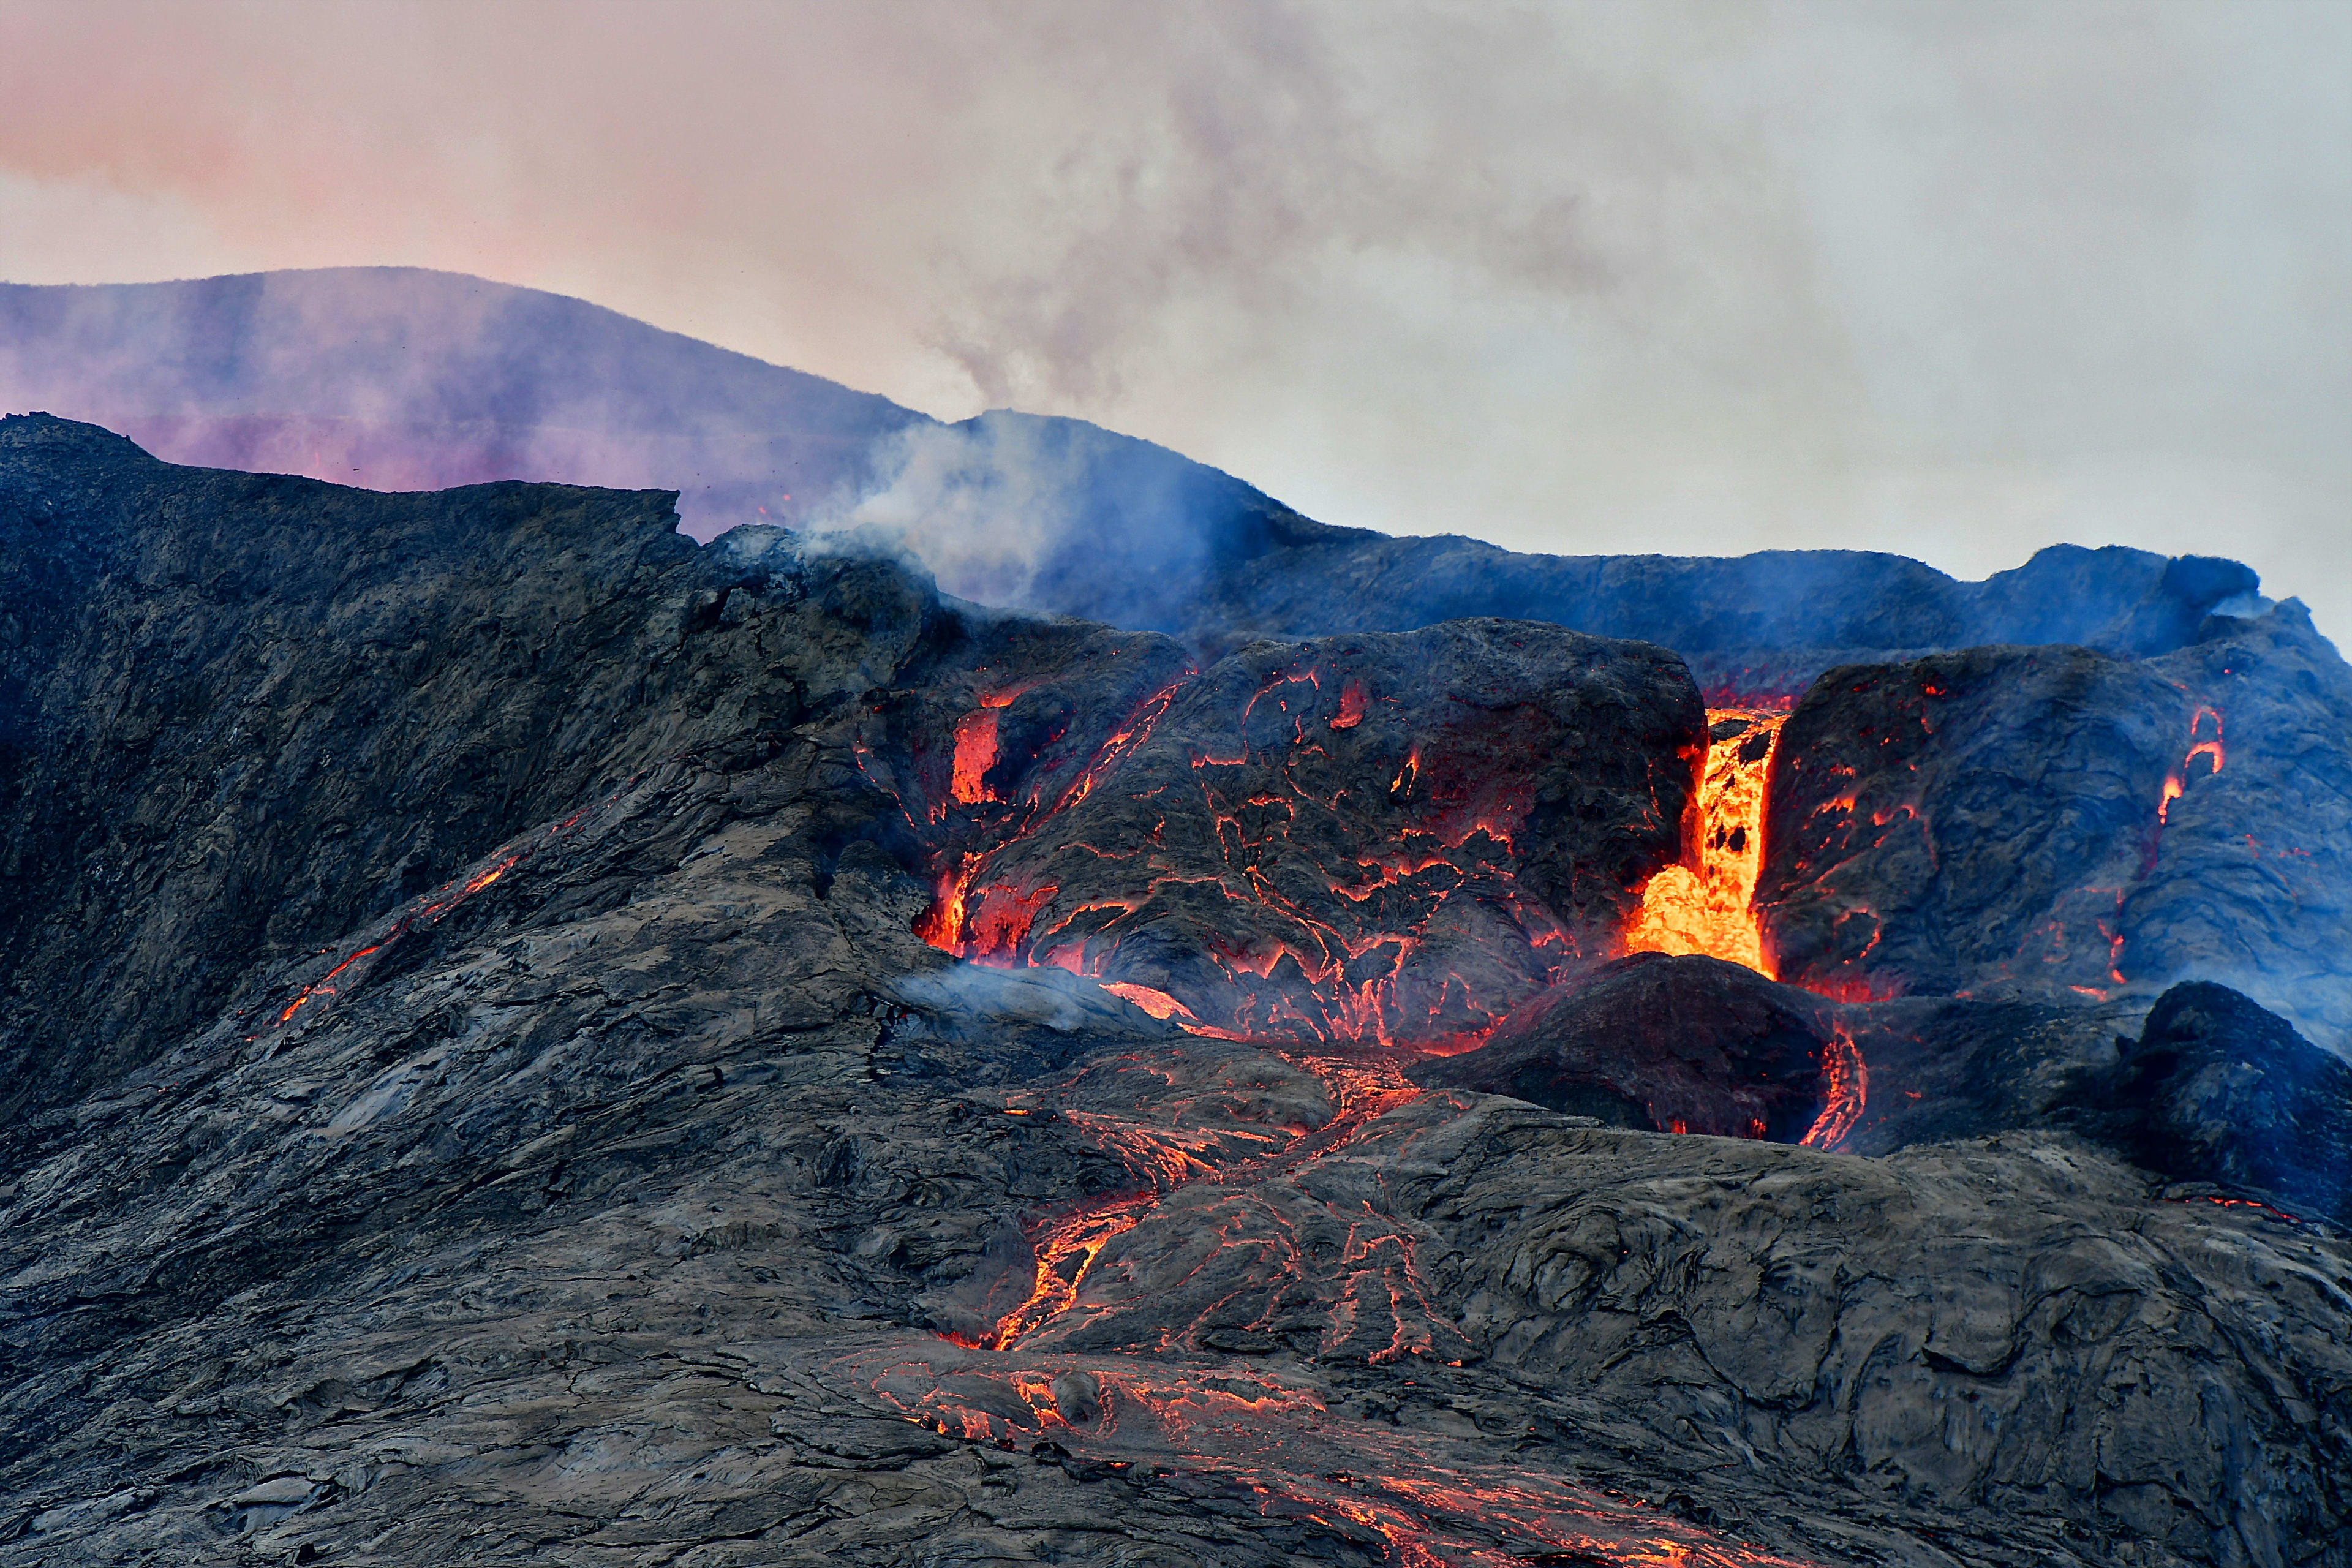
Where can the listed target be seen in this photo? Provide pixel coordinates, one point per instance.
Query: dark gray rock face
(1664, 1044)
(2051, 821)
(641, 1189)
(2217, 1089)
(244, 714)
(2214, 1089)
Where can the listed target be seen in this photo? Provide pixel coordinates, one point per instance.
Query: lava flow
(1712, 911)
(975, 747)
(1165, 1159)
(1845, 1091)
(1290, 1452)
(2201, 744)
(1356, 876)
(428, 912)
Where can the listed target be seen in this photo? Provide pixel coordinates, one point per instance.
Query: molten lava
(1324, 936)
(2201, 744)
(1711, 910)
(975, 747)
(1158, 1003)
(975, 753)
(1244, 1429)
(428, 912)
(1845, 1091)
(1327, 908)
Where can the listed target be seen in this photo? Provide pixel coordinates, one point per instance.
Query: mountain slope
(640, 1187)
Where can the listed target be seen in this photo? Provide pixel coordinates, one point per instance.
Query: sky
(1957, 280)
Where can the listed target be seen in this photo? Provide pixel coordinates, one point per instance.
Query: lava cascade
(2201, 744)
(1712, 911)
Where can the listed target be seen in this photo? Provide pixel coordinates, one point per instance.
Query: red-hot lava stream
(429, 911)
(1237, 1433)
(1164, 1159)
(1712, 911)
(2201, 744)
(945, 924)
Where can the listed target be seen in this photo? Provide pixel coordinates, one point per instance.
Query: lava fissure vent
(1710, 909)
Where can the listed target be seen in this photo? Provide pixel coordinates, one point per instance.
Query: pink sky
(1956, 280)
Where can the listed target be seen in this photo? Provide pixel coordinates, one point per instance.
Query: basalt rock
(643, 1189)
(2217, 1089)
(2052, 822)
(1398, 837)
(1694, 1043)
(1664, 1044)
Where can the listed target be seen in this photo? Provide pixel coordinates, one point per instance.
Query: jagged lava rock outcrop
(2055, 821)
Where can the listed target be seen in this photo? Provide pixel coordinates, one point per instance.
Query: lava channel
(1712, 911)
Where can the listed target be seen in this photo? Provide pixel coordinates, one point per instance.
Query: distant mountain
(399, 379)
(392, 379)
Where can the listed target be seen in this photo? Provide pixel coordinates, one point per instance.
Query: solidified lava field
(528, 1040)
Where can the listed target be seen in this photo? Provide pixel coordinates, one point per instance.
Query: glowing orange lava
(2201, 744)
(1712, 911)
(941, 925)
(1158, 1003)
(1846, 1090)
(975, 753)
(1163, 1159)
(975, 747)
(428, 912)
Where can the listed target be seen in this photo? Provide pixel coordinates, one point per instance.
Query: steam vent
(530, 1039)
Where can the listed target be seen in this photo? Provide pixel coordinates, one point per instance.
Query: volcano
(529, 1037)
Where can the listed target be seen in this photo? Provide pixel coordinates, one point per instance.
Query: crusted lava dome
(1667, 1044)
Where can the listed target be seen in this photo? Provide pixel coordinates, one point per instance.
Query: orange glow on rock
(1711, 910)
(1352, 706)
(1846, 1086)
(941, 925)
(1158, 1003)
(2201, 744)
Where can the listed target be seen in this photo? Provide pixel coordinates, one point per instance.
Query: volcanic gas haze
(534, 1040)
